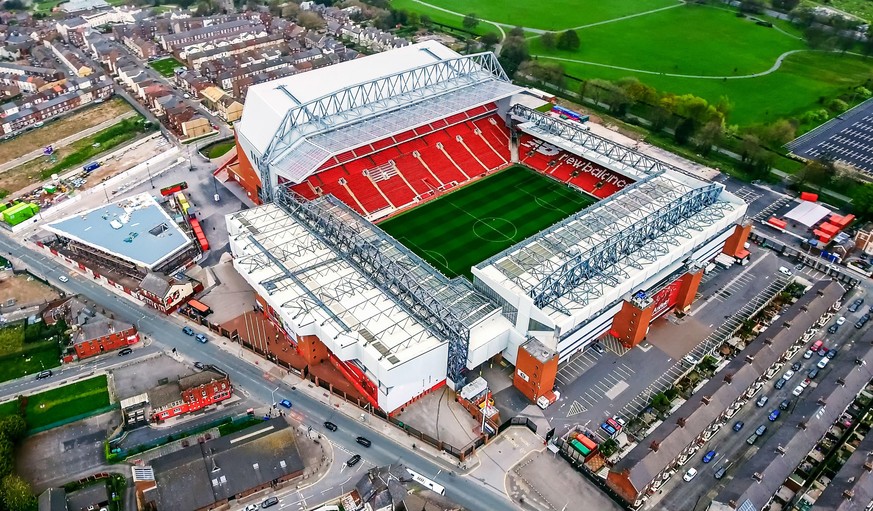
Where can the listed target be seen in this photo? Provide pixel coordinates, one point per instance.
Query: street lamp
(273, 400)
(149, 170)
(190, 164)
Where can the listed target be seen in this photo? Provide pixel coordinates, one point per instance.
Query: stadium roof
(136, 229)
(303, 273)
(297, 122)
(582, 264)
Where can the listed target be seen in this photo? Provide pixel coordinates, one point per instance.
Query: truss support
(366, 254)
(594, 264)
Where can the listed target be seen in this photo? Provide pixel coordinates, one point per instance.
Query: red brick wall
(106, 343)
(246, 175)
(198, 397)
(631, 324)
(540, 376)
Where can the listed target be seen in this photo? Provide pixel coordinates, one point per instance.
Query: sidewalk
(353, 412)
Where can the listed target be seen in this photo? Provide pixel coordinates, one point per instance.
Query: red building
(92, 333)
(189, 394)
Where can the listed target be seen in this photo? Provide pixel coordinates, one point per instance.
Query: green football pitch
(466, 227)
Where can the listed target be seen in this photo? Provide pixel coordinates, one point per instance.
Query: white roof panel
(267, 103)
(808, 213)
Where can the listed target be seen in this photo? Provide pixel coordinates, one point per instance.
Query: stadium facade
(329, 152)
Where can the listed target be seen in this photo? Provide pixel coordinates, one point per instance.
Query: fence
(830, 269)
(119, 454)
(70, 420)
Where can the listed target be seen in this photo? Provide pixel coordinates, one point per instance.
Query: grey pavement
(388, 446)
(547, 483)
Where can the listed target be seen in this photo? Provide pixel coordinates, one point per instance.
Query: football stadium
(418, 216)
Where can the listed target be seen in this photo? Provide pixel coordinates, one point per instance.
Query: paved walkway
(11, 164)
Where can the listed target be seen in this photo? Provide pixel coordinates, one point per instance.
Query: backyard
(28, 350)
(166, 66)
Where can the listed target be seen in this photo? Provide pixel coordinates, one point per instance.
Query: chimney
(757, 476)
(768, 341)
(681, 422)
(841, 382)
(654, 446)
(801, 425)
(728, 378)
(749, 359)
(849, 494)
(786, 324)
(706, 400)
(821, 401)
(868, 466)
(780, 450)
(804, 308)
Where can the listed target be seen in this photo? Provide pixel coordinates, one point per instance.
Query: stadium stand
(415, 165)
(568, 168)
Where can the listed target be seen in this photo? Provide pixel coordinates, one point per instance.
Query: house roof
(852, 488)
(200, 475)
(643, 463)
(53, 499)
(155, 283)
(817, 411)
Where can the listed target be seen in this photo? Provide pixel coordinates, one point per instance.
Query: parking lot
(731, 447)
(596, 385)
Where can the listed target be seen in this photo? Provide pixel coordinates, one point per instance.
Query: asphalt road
(167, 333)
(731, 446)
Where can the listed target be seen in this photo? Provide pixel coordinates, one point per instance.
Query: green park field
(705, 50)
(60, 403)
(466, 227)
(166, 66)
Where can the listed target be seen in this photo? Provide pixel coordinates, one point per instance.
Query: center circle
(495, 229)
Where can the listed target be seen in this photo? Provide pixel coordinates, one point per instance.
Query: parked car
(784, 404)
(762, 401)
(201, 338)
(752, 439)
(609, 429)
(833, 328)
(861, 322)
(363, 441)
(833, 353)
(125, 351)
(808, 354)
(816, 346)
(63, 278)
(805, 383)
(797, 366)
(721, 471)
(773, 415)
(823, 363)
(779, 383)
(788, 374)
(784, 271)
(761, 430)
(798, 390)
(856, 305)
(251, 507)
(285, 404)
(739, 425)
(598, 348)
(842, 319)
(199, 365)
(270, 502)
(330, 425)
(709, 456)
(43, 374)
(812, 373)
(353, 460)
(823, 351)
(188, 330)
(690, 474)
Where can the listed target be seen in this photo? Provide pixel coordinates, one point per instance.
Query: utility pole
(149, 170)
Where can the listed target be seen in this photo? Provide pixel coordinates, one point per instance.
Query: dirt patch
(24, 289)
(62, 128)
(134, 154)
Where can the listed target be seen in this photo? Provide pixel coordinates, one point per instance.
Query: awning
(808, 213)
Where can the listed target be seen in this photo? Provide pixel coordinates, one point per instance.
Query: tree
(549, 40)
(814, 173)
(14, 5)
(513, 52)
(290, 10)
(425, 20)
(568, 40)
(709, 135)
(543, 73)
(785, 5)
(639, 92)
(778, 133)
(609, 447)
(862, 200)
(517, 32)
(7, 457)
(13, 428)
(490, 39)
(16, 494)
(660, 402)
(752, 6)
(683, 131)
(471, 21)
(817, 37)
(310, 20)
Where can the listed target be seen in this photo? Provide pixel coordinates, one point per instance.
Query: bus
(200, 307)
(427, 483)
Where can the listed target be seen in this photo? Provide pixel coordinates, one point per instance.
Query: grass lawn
(466, 227)
(545, 15)
(68, 401)
(9, 408)
(45, 5)
(217, 149)
(166, 66)
(793, 89)
(76, 154)
(61, 128)
(861, 8)
(38, 356)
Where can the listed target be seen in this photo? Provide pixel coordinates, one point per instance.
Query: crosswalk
(576, 408)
